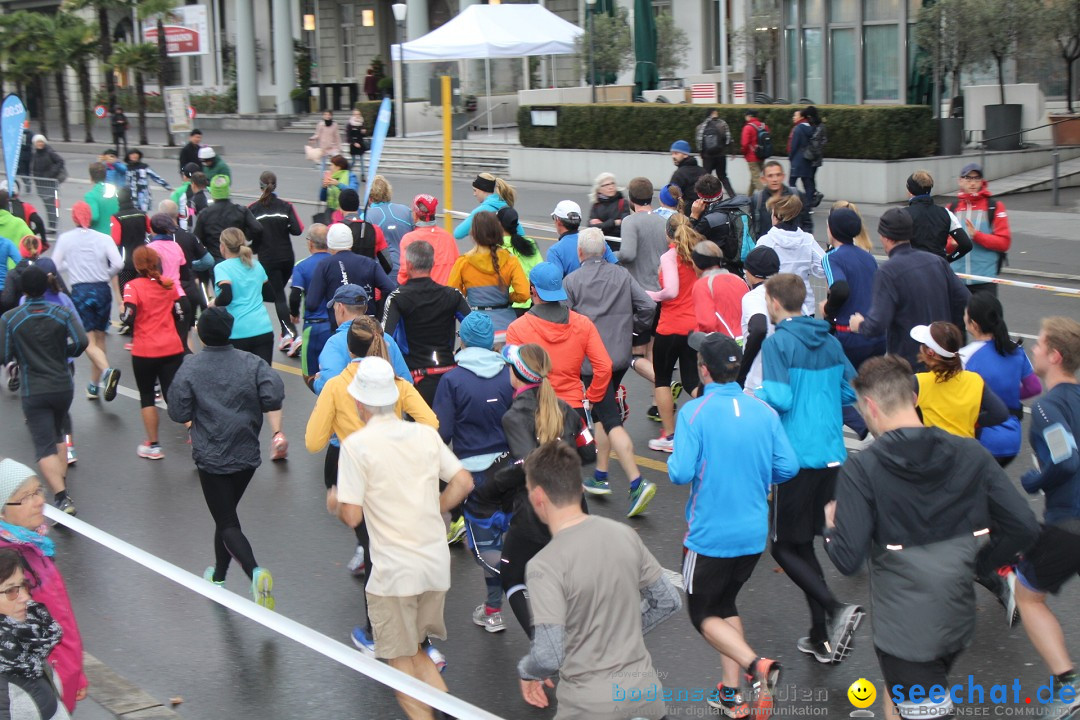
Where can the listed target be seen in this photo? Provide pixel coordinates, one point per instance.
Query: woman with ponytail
(536, 416)
(493, 195)
(152, 310)
(489, 276)
(279, 225)
(521, 247)
(242, 287)
(677, 320)
(1004, 367)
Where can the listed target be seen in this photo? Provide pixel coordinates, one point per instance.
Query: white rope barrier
(322, 644)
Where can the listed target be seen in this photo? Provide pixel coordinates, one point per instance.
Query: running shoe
(356, 566)
(762, 678)
(841, 630)
(124, 330)
(620, 399)
(817, 198)
(13, 382)
(819, 650)
(640, 498)
(664, 443)
(731, 704)
(72, 458)
(150, 451)
(436, 657)
(295, 345)
(279, 447)
(1007, 595)
(262, 587)
(489, 619)
(286, 342)
(66, 505)
(653, 413)
(457, 531)
(363, 643)
(596, 487)
(91, 391)
(208, 576)
(109, 380)
(676, 390)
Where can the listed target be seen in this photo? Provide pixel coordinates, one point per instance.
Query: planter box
(950, 136)
(1003, 125)
(1066, 129)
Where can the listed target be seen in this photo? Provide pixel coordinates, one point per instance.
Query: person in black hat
(760, 265)
(934, 228)
(224, 392)
(139, 176)
(987, 224)
(911, 288)
(850, 272)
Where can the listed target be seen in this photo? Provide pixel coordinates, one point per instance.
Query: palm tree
(138, 58)
(26, 37)
(71, 43)
(159, 8)
(105, 45)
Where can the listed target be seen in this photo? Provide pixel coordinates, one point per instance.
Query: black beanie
(215, 326)
(844, 224)
(349, 200)
(34, 281)
(896, 225)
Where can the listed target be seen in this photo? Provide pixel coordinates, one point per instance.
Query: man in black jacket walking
(934, 225)
(686, 174)
(912, 288)
(929, 511)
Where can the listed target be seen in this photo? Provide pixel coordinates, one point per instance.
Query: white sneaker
(150, 452)
(492, 622)
(664, 443)
(285, 343)
(295, 345)
(356, 566)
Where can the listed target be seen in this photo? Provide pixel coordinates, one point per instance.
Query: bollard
(1054, 192)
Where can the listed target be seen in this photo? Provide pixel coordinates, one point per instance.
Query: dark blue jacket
(800, 138)
(470, 402)
(913, 288)
(1058, 411)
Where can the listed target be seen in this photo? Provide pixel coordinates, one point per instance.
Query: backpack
(991, 209)
(764, 148)
(728, 225)
(712, 143)
(815, 148)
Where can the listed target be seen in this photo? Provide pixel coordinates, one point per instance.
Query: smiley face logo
(862, 693)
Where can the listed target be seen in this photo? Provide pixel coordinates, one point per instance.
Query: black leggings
(183, 327)
(223, 493)
(278, 274)
(148, 370)
(518, 550)
(669, 350)
(800, 564)
(260, 345)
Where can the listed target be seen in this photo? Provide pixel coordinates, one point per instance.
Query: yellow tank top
(952, 405)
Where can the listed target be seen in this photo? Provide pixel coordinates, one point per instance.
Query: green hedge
(868, 132)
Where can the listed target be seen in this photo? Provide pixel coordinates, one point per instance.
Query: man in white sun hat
(389, 473)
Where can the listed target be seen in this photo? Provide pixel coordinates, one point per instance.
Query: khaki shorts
(400, 624)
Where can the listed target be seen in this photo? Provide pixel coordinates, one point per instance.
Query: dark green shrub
(866, 132)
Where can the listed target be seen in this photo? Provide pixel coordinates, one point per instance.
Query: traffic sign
(100, 111)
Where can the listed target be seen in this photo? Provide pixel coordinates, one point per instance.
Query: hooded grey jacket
(615, 302)
(928, 510)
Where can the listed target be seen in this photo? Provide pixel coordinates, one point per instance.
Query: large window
(814, 64)
(881, 61)
(874, 10)
(843, 62)
(842, 11)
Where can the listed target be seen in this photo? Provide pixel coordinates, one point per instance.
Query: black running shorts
(1054, 559)
(712, 584)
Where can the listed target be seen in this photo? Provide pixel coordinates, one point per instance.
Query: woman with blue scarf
(22, 527)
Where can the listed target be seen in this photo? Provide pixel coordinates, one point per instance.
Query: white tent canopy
(494, 31)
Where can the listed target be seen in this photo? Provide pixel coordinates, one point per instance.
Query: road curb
(120, 697)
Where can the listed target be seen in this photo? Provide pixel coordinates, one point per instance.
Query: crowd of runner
(460, 395)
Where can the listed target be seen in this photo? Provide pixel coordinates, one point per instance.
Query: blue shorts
(93, 302)
(315, 335)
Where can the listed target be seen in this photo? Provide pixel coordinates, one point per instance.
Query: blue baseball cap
(681, 146)
(348, 295)
(547, 279)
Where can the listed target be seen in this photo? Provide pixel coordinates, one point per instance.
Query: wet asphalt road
(172, 642)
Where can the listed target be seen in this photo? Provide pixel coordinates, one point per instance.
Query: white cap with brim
(12, 476)
(922, 334)
(374, 383)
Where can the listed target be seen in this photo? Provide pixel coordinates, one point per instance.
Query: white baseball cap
(567, 210)
(374, 384)
(922, 334)
(207, 153)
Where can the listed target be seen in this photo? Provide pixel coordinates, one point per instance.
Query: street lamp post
(590, 4)
(400, 10)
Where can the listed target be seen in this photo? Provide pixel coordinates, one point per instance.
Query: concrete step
(1039, 178)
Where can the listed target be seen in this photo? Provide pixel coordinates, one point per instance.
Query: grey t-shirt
(608, 673)
(644, 240)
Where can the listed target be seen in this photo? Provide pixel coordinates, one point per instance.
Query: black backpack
(815, 148)
(764, 148)
(727, 224)
(712, 143)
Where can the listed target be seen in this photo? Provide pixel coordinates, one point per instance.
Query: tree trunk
(164, 76)
(1001, 75)
(83, 71)
(954, 91)
(140, 90)
(61, 93)
(106, 53)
